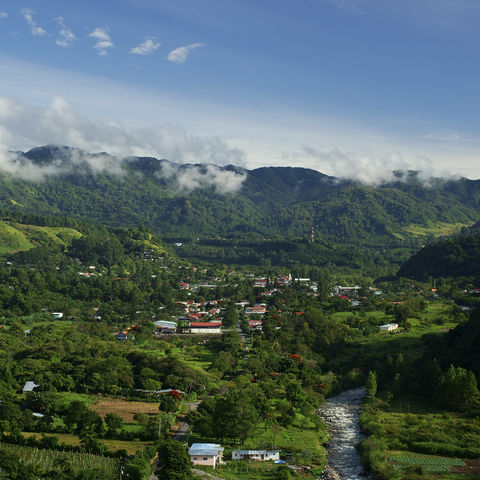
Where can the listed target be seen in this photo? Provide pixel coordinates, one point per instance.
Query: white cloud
(148, 46)
(104, 40)
(192, 177)
(35, 29)
(65, 35)
(25, 126)
(366, 167)
(180, 54)
(3, 14)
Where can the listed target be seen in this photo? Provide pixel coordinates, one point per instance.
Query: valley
(115, 320)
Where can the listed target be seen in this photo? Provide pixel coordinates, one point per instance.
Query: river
(341, 413)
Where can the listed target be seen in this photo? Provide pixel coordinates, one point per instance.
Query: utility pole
(160, 427)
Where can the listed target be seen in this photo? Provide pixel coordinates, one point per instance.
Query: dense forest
(455, 257)
(278, 202)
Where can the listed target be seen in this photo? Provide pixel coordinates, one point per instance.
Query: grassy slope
(18, 237)
(12, 239)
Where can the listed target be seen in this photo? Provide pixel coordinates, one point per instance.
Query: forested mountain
(274, 202)
(457, 257)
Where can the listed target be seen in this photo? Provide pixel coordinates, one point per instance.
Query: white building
(206, 454)
(389, 327)
(261, 455)
(29, 386)
(205, 327)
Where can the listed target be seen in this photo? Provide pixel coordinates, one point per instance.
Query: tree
(168, 403)
(173, 461)
(295, 393)
(113, 422)
(235, 415)
(371, 384)
(230, 317)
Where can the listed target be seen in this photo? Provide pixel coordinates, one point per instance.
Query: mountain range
(185, 200)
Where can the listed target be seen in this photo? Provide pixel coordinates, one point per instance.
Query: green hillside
(457, 257)
(16, 237)
(189, 202)
(12, 239)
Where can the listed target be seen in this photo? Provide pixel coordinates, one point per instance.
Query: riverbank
(341, 413)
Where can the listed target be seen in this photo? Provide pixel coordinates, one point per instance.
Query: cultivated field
(124, 409)
(48, 460)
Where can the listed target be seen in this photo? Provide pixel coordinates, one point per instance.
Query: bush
(373, 452)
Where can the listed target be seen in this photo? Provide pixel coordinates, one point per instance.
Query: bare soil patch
(124, 409)
(472, 466)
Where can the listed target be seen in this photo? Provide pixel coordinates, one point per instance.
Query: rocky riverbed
(341, 413)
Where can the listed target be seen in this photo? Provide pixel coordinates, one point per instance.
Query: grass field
(61, 235)
(436, 229)
(125, 410)
(12, 239)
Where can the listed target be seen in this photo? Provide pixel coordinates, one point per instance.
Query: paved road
(182, 430)
(180, 434)
(243, 339)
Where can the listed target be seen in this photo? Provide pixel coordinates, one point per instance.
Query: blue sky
(349, 87)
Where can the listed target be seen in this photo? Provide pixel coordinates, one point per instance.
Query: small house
(57, 314)
(256, 310)
(260, 455)
(121, 335)
(389, 327)
(165, 327)
(205, 327)
(29, 386)
(206, 454)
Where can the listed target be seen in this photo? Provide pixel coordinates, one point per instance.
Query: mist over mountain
(205, 199)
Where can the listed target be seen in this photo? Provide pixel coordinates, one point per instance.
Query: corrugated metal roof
(205, 449)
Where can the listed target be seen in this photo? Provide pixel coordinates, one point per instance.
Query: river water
(341, 413)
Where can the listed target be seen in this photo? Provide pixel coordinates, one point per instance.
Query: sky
(353, 88)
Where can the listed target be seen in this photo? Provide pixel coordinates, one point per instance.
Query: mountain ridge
(205, 199)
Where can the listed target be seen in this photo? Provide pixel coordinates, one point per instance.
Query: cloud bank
(180, 54)
(24, 126)
(368, 168)
(192, 177)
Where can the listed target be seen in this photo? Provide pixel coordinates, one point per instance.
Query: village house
(205, 327)
(261, 455)
(242, 303)
(165, 327)
(121, 335)
(257, 310)
(389, 327)
(206, 454)
(339, 290)
(255, 324)
(29, 386)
